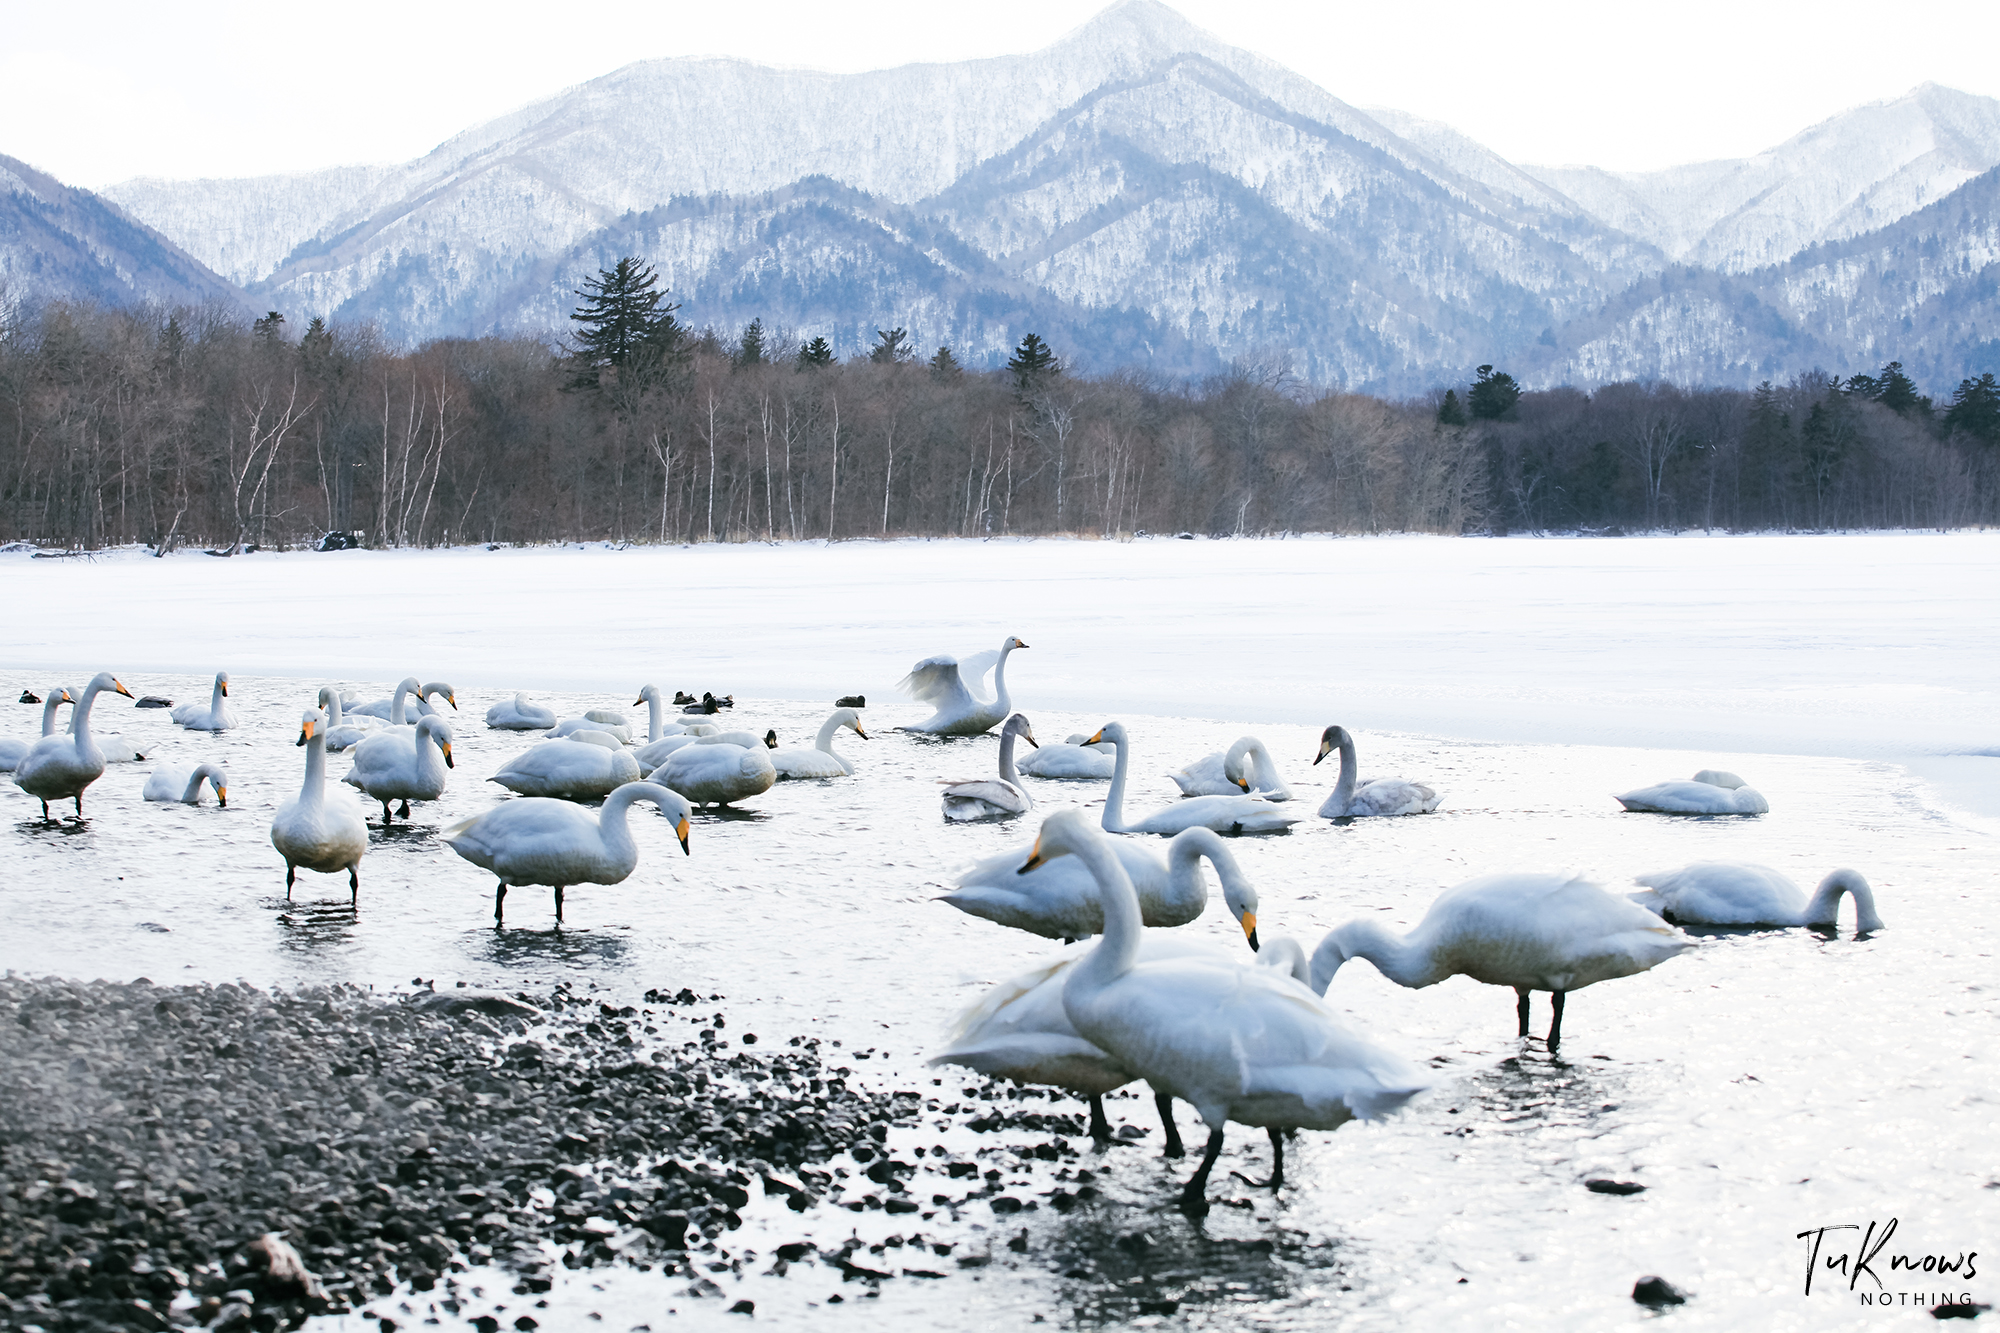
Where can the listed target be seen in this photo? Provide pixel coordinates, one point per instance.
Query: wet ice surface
(1770, 1082)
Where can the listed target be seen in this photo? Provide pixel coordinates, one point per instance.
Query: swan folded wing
(993, 791)
(1393, 796)
(936, 681)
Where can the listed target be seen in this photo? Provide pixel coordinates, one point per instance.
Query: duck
(1224, 814)
(403, 765)
(714, 771)
(1557, 932)
(58, 767)
(11, 750)
(989, 798)
(1738, 893)
(1247, 1044)
(1058, 899)
(943, 684)
(1072, 761)
(820, 761)
(517, 714)
(343, 732)
(396, 710)
(184, 783)
(536, 840)
(581, 767)
(321, 830)
(1368, 797)
(1713, 791)
(215, 715)
(1221, 773)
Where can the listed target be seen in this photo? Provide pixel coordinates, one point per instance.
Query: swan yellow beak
(1096, 738)
(1034, 859)
(222, 797)
(636, 702)
(446, 747)
(119, 686)
(225, 689)
(1243, 784)
(681, 832)
(862, 734)
(305, 733)
(1325, 749)
(452, 699)
(1250, 929)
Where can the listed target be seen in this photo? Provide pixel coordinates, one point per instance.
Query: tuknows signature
(1852, 1263)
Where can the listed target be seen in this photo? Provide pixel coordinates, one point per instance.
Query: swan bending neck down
(538, 840)
(1378, 796)
(940, 682)
(1736, 893)
(1223, 773)
(518, 714)
(984, 798)
(821, 761)
(179, 783)
(59, 767)
(1237, 1043)
(327, 836)
(1224, 814)
(1552, 932)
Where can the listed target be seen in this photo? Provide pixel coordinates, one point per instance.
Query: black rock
(1614, 1187)
(1657, 1292)
(744, 1307)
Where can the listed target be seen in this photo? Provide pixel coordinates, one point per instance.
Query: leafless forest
(197, 426)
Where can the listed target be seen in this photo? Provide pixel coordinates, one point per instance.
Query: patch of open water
(1768, 1083)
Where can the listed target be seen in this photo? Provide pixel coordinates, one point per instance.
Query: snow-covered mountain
(1140, 189)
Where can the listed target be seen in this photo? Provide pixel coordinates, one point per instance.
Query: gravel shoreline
(150, 1134)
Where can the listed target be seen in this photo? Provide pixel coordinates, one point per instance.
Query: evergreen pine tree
(1032, 362)
(814, 354)
(892, 347)
(1451, 412)
(750, 351)
(270, 329)
(1975, 409)
(621, 318)
(1897, 392)
(945, 367)
(1493, 395)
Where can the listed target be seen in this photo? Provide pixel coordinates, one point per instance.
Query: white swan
(1352, 799)
(1287, 957)
(717, 774)
(1223, 773)
(939, 682)
(403, 765)
(1247, 1044)
(183, 783)
(571, 725)
(59, 767)
(12, 751)
(574, 769)
(987, 798)
(341, 731)
(1224, 814)
(1072, 760)
(1552, 932)
(215, 715)
(1712, 792)
(517, 714)
(396, 709)
(820, 761)
(111, 744)
(320, 830)
(539, 841)
(1058, 899)
(1735, 893)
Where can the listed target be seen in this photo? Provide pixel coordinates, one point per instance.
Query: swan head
(439, 730)
(104, 680)
(647, 693)
(1110, 731)
(442, 691)
(1330, 740)
(222, 683)
(847, 717)
(1011, 645)
(673, 805)
(1062, 834)
(311, 723)
(1017, 725)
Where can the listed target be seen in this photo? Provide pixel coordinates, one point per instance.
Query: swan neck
(613, 824)
(826, 730)
(80, 722)
(215, 697)
(1184, 853)
(653, 723)
(1114, 800)
(396, 704)
(1007, 773)
(202, 772)
(1395, 957)
(49, 706)
(1001, 700)
(315, 783)
(1118, 947)
(1266, 768)
(1824, 909)
(1343, 790)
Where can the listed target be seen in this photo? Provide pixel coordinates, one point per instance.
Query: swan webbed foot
(1521, 1011)
(1277, 1180)
(1556, 1027)
(1194, 1198)
(1100, 1127)
(1165, 1104)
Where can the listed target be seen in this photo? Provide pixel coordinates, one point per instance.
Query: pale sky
(95, 93)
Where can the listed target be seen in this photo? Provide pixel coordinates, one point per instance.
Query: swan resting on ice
(1072, 760)
(517, 714)
(1224, 814)
(1353, 798)
(988, 798)
(820, 761)
(1712, 792)
(1737, 893)
(1222, 773)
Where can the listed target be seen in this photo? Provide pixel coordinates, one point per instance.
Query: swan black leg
(1194, 1199)
(1556, 1028)
(45, 813)
(79, 804)
(1521, 1011)
(559, 898)
(386, 816)
(404, 810)
(354, 886)
(291, 873)
(1277, 1180)
(1100, 1127)
(1173, 1131)
(499, 903)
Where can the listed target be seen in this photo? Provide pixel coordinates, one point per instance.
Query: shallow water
(1767, 1083)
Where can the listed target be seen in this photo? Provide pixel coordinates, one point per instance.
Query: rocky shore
(238, 1158)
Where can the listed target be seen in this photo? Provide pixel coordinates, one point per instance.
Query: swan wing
(1724, 893)
(936, 681)
(1393, 796)
(973, 671)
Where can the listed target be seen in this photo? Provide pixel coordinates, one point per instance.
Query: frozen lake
(1768, 1083)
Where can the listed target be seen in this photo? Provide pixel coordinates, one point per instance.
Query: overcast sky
(95, 93)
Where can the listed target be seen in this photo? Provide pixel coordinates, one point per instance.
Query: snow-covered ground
(1878, 645)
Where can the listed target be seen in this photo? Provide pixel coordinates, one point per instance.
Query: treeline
(195, 426)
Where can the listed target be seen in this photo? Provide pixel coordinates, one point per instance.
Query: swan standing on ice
(820, 761)
(183, 783)
(1058, 899)
(944, 685)
(58, 768)
(1072, 761)
(12, 751)
(1224, 814)
(717, 774)
(1237, 1043)
(517, 714)
(215, 715)
(580, 767)
(1736, 893)
(1222, 773)
(988, 798)
(1712, 792)
(320, 831)
(540, 841)
(1375, 796)
(397, 711)
(403, 765)
(1552, 932)
(341, 732)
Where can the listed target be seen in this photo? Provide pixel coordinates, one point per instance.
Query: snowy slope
(243, 229)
